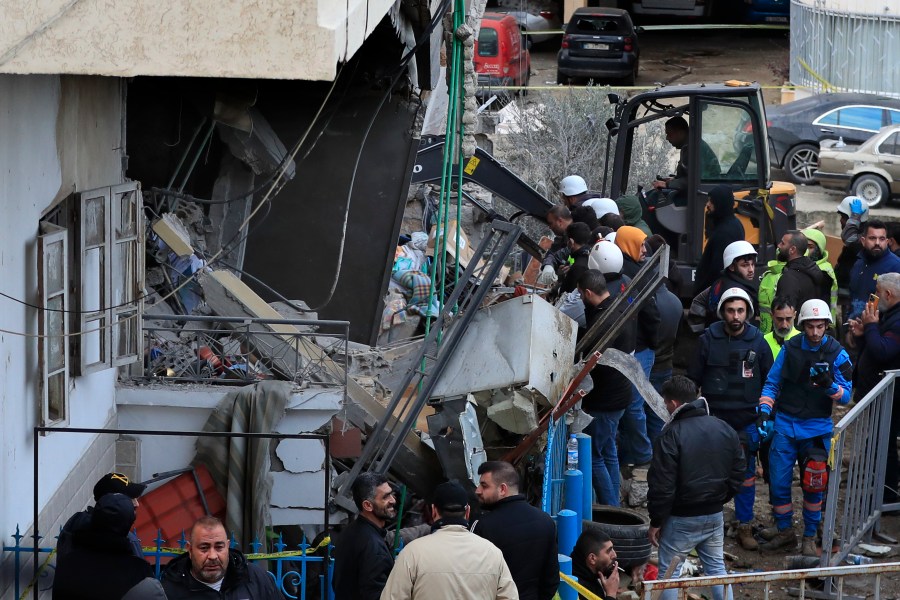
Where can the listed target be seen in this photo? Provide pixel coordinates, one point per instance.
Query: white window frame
(53, 325)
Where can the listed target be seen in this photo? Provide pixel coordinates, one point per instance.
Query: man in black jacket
(802, 279)
(611, 395)
(697, 467)
(100, 564)
(722, 228)
(210, 569)
(580, 242)
(362, 558)
(594, 564)
(526, 535)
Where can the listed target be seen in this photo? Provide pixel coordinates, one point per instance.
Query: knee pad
(814, 471)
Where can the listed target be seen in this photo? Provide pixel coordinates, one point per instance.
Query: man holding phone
(811, 373)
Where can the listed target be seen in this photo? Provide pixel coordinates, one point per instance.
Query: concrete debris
(173, 232)
(515, 413)
(637, 493)
(873, 550)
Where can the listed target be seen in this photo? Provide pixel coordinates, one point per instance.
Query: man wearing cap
(452, 562)
(731, 365)
(810, 375)
(111, 483)
(525, 534)
(362, 558)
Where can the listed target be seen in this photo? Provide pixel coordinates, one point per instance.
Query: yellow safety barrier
(579, 588)
(257, 556)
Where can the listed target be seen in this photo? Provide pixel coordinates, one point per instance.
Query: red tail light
(629, 44)
(546, 14)
(565, 41)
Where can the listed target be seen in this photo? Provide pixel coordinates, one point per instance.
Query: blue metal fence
(289, 568)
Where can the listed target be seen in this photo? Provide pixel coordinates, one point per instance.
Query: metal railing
(774, 580)
(861, 436)
(289, 567)
(238, 350)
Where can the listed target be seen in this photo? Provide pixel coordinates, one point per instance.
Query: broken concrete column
(515, 413)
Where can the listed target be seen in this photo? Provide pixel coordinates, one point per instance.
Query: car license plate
(776, 19)
(590, 46)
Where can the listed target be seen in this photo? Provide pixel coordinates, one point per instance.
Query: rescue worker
(607, 258)
(811, 373)
(580, 243)
(853, 211)
(722, 228)
(793, 276)
(574, 191)
(731, 364)
(783, 315)
(558, 219)
(817, 251)
(739, 259)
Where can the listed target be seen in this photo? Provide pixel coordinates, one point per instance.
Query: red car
(500, 57)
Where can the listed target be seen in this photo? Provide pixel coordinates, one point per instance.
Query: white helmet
(602, 206)
(606, 257)
(731, 294)
(735, 250)
(814, 309)
(572, 186)
(844, 208)
(610, 237)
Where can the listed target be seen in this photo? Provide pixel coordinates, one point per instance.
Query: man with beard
(525, 535)
(594, 564)
(874, 260)
(809, 376)
(362, 558)
(211, 569)
(722, 228)
(558, 219)
(739, 259)
(783, 314)
(611, 395)
(801, 279)
(677, 134)
(877, 334)
(732, 363)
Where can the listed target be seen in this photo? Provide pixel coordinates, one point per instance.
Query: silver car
(532, 24)
(870, 170)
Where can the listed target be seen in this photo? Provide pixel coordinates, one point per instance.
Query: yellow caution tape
(674, 28)
(834, 440)
(579, 588)
(34, 579)
(816, 76)
(256, 556)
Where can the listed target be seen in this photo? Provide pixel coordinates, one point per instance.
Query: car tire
(629, 81)
(562, 80)
(801, 162)
(871, 188)
(628, 531)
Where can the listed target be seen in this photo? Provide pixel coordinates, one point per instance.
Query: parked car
(767, 11)
(675, 8)
(532, 24)
(797, 128)
(501, 59)
(870, 170)
(599, 43)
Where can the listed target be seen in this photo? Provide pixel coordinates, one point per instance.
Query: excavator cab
(727, 144)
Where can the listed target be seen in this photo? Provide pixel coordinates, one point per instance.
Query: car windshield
(487, 42)
(594, 24)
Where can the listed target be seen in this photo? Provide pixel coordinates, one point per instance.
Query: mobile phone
(873, 301)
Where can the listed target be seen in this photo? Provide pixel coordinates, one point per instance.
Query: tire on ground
(628, 531)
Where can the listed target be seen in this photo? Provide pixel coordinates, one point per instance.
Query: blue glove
(820, 375)
(856, 207)
(764, 423)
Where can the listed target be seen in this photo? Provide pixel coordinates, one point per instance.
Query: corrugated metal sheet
(846, 45)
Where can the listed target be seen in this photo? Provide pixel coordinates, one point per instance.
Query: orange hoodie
(629, 240)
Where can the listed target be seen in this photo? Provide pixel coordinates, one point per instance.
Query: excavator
(729, 118)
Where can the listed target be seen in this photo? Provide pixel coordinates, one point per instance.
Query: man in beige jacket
(452, 562)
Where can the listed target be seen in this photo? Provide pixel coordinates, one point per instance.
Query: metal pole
(34, 526)
(566, 592)
(586, 468)
(566, 524)
(573, 495)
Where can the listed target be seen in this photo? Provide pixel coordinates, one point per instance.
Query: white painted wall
(56, 134)
(870, 7)
(277, 39)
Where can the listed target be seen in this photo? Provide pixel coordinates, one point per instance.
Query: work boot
(769, 532)
(809, 546)
(786, 537)
(745, 537)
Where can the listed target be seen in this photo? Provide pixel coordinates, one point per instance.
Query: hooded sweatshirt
(825, 265)
(632, 212)
(629, 240)
(722, 228)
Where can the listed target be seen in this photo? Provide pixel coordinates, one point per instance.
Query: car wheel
(526, 84)
(629, 81)
(801, 162)
(562, 79)
(871, 188)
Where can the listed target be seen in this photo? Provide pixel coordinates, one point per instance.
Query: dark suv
(599, 43)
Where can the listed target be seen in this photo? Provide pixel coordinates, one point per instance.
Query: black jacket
(670, 313)
(527, 537)
(362, 562)
(879, 351)
(612, 390)
(100, 564)
(723, 228)
(803, 280)
(648, 316)
(577, 268)
(243, 580)
(698, 465)
(728, 280)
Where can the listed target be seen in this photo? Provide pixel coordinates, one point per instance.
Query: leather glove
(764, 423)
(548, 276)
(856, 208)
(820, 376)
